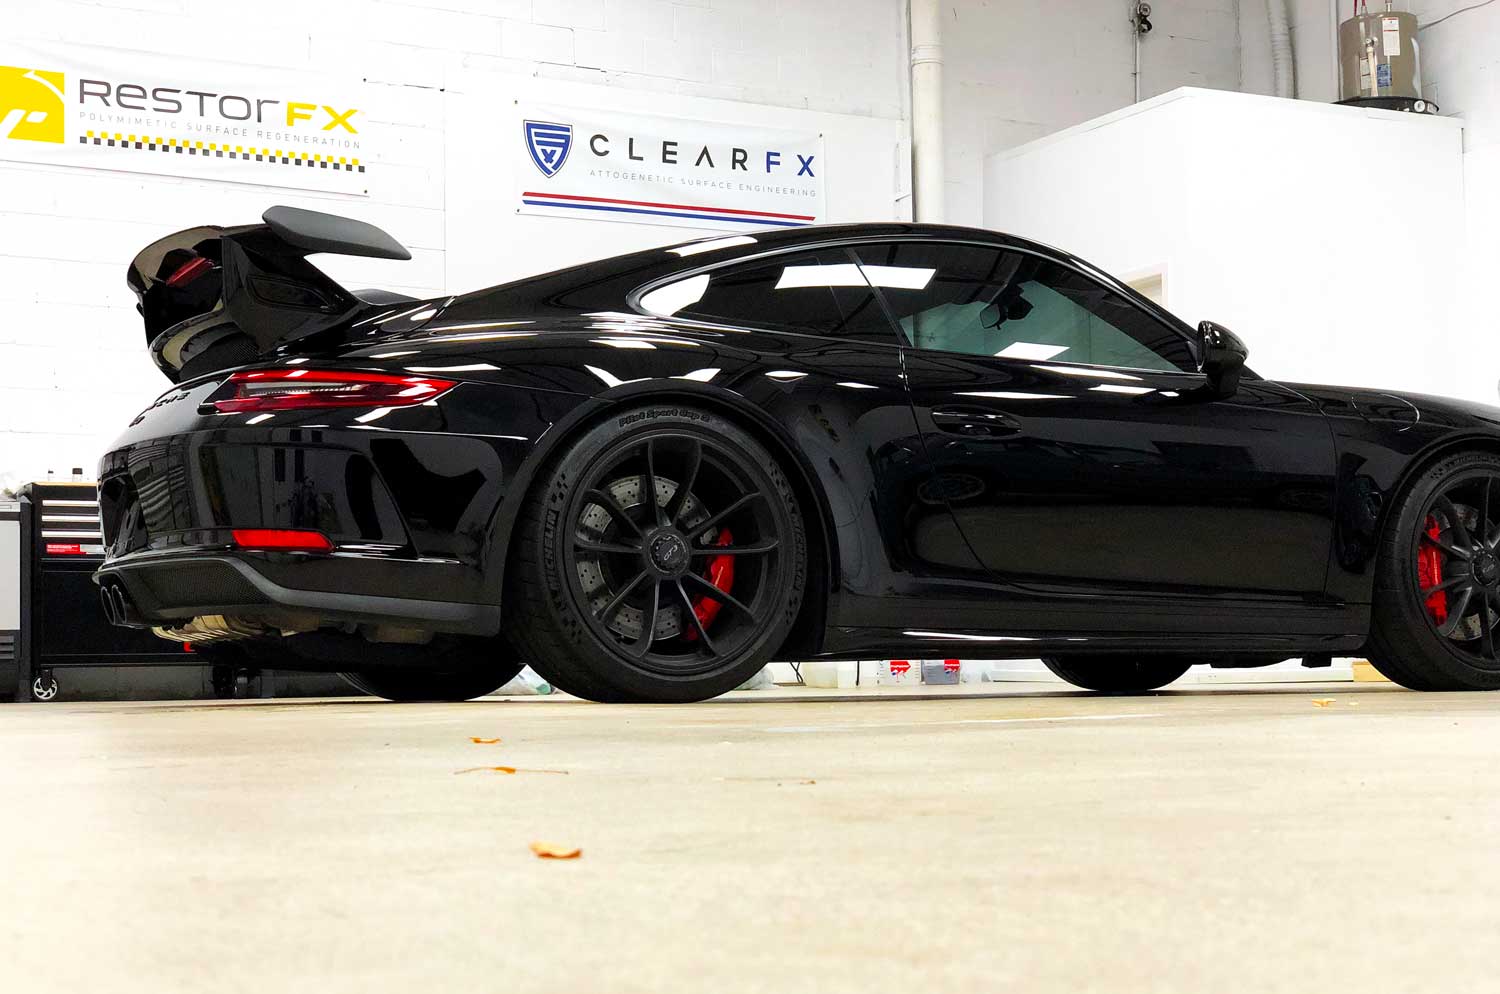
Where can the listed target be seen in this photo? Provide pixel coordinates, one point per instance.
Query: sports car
(649, 475)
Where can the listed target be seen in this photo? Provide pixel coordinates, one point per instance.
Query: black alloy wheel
(672, 561)
(1437, 602)
(450, 668)
(1118, 674)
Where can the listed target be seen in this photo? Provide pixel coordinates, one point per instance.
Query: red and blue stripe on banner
(647, 207)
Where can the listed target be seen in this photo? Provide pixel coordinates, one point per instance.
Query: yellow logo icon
(31, 104)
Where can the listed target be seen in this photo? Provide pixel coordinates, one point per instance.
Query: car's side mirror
(1224, 358)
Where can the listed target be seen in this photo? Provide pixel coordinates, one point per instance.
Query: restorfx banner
(576, 162)
(115, 109)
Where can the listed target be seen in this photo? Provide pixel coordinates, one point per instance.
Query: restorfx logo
(221, 111)
(31, 104)
(549, 144)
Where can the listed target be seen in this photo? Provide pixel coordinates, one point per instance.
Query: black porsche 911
(649, 475)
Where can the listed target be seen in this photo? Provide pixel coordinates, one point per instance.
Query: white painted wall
(1461, 71)
(1460, 62)
(1313, 47)
(1020, 69)
(73, 367)
(1332, 274)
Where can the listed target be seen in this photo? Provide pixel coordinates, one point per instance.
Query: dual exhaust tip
(119, 609)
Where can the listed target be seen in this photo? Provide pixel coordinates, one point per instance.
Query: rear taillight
(299, 389)
(189, 271)
(282, 540)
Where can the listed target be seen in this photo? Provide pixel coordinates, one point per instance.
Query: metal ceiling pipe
(1283, 64)
(927, 109)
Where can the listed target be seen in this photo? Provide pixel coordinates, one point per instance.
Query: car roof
(605, 284)
(668, 258)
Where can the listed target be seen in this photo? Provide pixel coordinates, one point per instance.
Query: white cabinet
(1330, 238)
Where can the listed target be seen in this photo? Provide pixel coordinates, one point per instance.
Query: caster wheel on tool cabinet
(44, 688)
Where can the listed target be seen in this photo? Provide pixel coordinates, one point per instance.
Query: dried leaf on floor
(483, 742)
(1322, 702)
(506, 769)
(486, 769)
(551, 850)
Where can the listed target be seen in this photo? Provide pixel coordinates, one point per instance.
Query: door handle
(975, 422)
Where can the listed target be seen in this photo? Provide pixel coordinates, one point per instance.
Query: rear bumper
(165, 590)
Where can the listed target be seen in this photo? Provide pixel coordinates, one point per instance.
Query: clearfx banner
(113, 109)
(577, 162)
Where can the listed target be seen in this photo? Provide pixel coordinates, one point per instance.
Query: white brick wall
(1017, 69)
(73, 367)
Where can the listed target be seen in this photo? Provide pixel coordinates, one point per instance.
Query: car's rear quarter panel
(411, 486)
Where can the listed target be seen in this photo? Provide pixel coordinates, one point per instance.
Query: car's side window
(818, 292)
(995, 302)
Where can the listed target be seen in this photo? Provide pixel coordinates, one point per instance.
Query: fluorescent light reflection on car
(1098, 374)
(710, 245)
(668, 300)
(643, 342)
(848, 274)
(610, 379)
(491, 336)
(1030, 350)
(478, 326)
(960, 636)
(1012, 395)
(1121, 388)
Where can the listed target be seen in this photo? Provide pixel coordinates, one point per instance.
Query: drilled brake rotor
(595, 573)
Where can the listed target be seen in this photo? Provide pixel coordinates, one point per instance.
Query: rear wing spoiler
(312, 232)
(251, 285)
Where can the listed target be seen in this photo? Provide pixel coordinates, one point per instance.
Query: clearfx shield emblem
(549, 145)
(31, 104)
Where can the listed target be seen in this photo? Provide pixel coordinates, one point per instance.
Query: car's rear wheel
(1118, 674)
(1436, 613)
(662, 558)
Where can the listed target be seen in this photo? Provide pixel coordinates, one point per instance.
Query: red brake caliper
(721, 575)
(1430, 574)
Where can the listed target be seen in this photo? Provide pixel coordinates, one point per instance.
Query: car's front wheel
(1436, 612)
(1118, 674)
(662, 559)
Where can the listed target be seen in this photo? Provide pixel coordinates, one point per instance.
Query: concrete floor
(1201, 840)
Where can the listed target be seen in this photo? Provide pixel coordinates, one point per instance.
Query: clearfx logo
(549, 145)
(31, 104)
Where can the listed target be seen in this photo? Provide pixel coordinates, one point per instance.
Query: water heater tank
(1378, 57)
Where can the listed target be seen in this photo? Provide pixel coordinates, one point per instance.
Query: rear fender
(598, 409)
